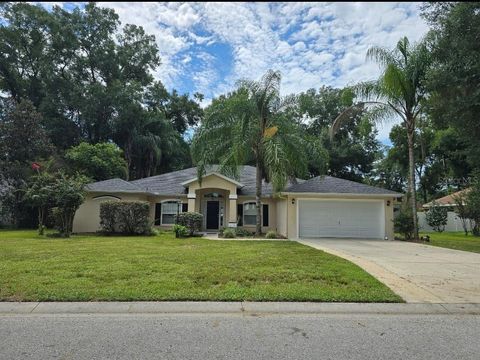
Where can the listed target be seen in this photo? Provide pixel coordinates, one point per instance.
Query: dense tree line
(91, 81)
(77, 87)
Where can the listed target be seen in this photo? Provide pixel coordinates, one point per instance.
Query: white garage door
(343, 219)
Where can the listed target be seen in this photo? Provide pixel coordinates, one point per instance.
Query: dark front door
(212, 215)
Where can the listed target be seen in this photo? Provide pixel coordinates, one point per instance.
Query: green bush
(229, 233)
(58, 216)
(125, 217)
(65, 194)
(239, 232)
(108, 216)
(473, 205)
(181, 231)
(403, 222)
(271, 235)
(191, 220)
(437, 217)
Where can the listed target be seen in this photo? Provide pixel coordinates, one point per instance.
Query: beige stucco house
(323, 206)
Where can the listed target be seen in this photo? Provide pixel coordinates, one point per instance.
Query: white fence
(454, 223)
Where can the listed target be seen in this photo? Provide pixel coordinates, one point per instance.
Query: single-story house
(454, 223)
(448, 201)
(323, 206)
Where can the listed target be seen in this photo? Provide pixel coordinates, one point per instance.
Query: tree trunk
(258, 195)
(40, 220)
(411, 177)
(128, 157)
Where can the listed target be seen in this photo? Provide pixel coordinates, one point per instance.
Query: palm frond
(381, 56)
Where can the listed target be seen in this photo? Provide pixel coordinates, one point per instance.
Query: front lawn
(455, 240)
(85, 268)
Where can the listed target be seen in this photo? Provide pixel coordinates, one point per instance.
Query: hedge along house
(324, 206)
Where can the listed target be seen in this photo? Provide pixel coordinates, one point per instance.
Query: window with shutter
(240, 215)
(265, 215)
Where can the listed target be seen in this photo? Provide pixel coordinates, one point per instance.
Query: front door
(212, 215)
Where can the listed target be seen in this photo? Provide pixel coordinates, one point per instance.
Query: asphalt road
(239, 336)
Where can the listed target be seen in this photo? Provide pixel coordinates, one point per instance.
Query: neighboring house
(454, 223)
(320, 207)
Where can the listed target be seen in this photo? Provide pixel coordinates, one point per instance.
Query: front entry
(212, 215)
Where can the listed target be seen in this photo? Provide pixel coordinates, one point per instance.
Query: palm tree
(399, 91)
(250, 125)
(144, 135)
(153, 137)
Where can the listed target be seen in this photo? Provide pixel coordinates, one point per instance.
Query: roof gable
(213, 173)
(332, 185)
(448, 200)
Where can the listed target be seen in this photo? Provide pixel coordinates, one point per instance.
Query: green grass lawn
(455, 240)
(84, 268)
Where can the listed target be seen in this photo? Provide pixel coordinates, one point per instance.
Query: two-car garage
(341, 218)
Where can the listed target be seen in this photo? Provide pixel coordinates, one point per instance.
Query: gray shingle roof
(113, 185)
(171, 184)
(330, 184)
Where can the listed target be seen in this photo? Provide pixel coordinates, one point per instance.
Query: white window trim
(243, 212)
(179, 202)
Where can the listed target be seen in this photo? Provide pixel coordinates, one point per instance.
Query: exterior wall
(158, 199)
(389, 232)
(213, 182)
(87, 217)
(282, 212)
(281, 216)
(272, 217)
(292, 212)
(224, 201)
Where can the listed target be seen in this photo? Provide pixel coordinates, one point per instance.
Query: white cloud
(313, 44)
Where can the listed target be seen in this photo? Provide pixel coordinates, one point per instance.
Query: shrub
(191, 220)
(462, 211)
(437, 217)
(154, 231)
(108, 216)
(403, 222)
(181, 231)
(473, 204)
(271, 235)
(239, 232)
(125, 217)
(229, 233)
(67, 194)
(59, 222)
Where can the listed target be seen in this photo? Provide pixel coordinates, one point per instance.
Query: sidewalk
(246, 308)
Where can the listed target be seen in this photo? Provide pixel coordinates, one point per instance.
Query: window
(239, 215)
(265, 215)
(158, 213)
(249, 214)
(213, 195)
(165, 212)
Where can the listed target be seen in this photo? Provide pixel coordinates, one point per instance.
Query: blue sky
(207, 47)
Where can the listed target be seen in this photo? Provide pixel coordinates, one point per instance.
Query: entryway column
(232, 213)
(191, 202)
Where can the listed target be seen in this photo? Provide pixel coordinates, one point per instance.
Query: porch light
(293, 201)
(388, 202)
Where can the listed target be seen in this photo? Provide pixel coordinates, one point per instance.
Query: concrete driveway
(418, 273)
